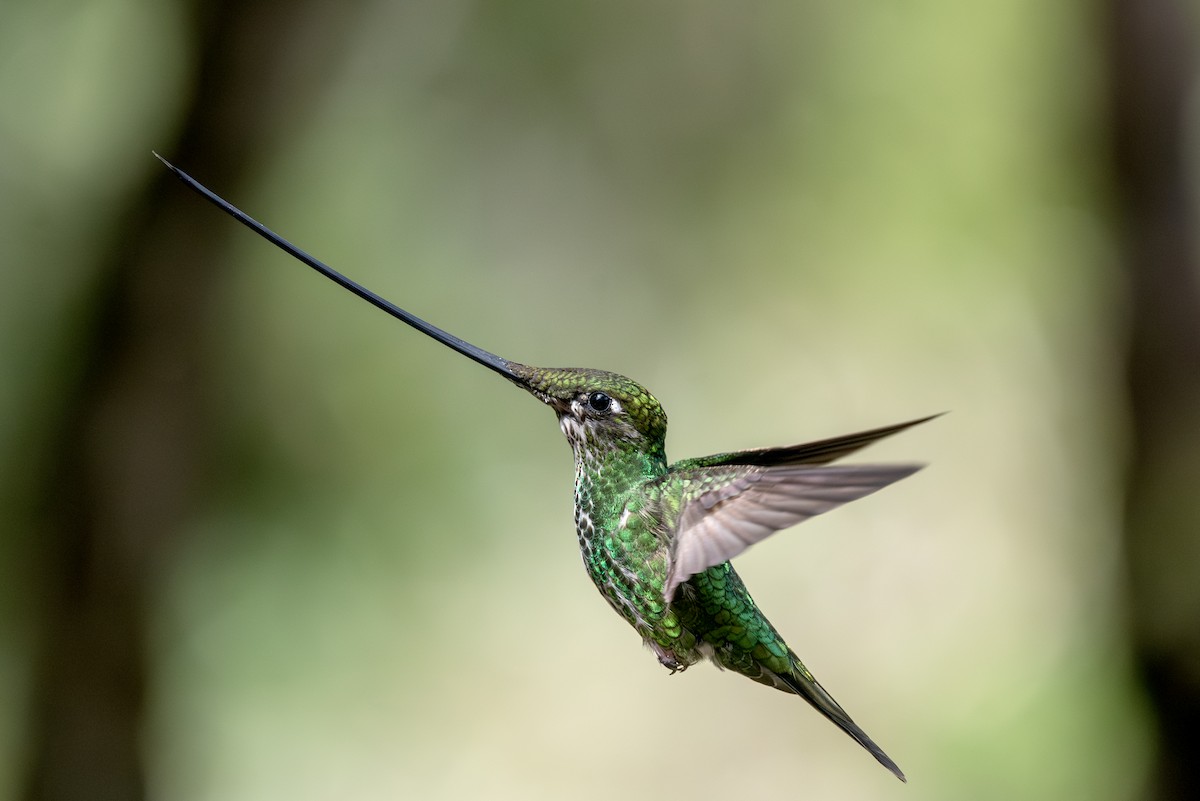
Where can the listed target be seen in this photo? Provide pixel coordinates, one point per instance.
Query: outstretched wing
(725, 510)
(819, 452)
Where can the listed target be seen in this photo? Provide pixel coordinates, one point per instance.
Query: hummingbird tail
(802, 683)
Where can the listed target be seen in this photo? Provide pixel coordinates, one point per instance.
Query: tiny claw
(671, 664)
(666, 658)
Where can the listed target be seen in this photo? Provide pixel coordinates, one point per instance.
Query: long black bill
(490, 360)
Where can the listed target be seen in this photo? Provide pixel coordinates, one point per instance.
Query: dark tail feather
(804, 685)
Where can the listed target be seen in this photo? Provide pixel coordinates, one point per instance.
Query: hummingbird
(657, 538)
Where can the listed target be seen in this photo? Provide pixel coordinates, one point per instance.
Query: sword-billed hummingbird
(656, 538)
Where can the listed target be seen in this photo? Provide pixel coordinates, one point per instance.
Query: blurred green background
(261, 541)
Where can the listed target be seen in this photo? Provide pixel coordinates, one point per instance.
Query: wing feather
(725, 510)
(819, 452)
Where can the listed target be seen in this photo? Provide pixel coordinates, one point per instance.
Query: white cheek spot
(572, 427)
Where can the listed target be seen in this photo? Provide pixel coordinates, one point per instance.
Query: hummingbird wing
(819, 452)
(725, 510)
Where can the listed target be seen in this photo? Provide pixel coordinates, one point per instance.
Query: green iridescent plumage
(656, 538)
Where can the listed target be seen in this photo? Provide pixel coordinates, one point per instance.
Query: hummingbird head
(598, 411)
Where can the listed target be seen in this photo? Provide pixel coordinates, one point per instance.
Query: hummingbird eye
(599, 402)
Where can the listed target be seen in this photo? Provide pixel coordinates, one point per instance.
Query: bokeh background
(258, 540)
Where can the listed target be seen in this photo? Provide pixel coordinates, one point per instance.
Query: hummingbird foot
(667, 659)
(672, 665)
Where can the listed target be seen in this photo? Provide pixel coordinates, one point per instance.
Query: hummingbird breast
(625, 549)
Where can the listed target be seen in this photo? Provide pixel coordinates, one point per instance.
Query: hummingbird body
(631, 509)
(626, 504)
(657, 539)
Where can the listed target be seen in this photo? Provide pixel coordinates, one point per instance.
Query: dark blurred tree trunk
(132, 455)
(1153, 65)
